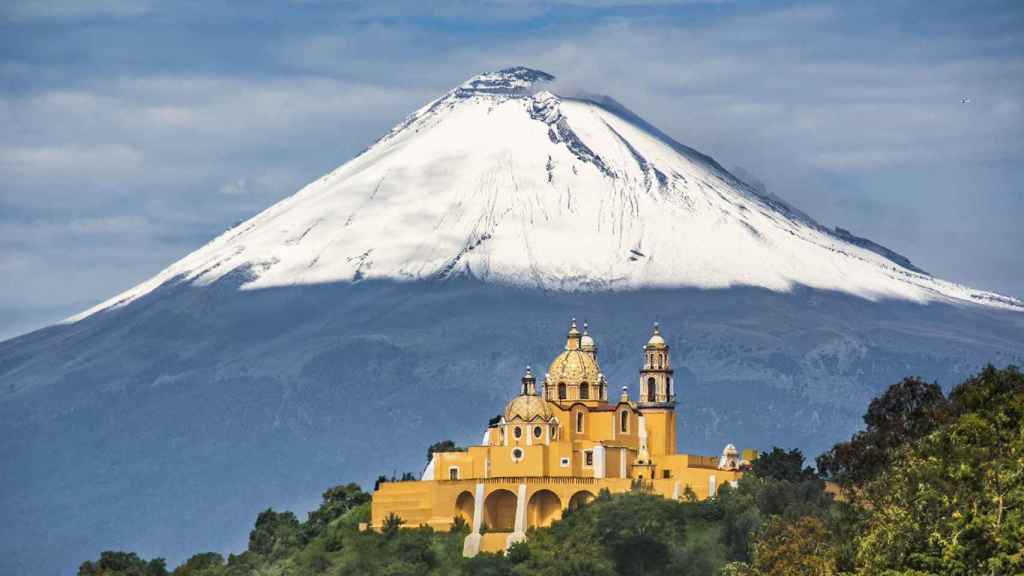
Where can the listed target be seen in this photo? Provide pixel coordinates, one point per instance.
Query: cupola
(574, 374)
(656, 342)
(529, 387)
(587, 343)
(528, 408)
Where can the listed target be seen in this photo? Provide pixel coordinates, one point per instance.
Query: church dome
(575, 365)
(527, 408)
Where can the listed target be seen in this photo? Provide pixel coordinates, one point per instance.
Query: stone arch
(562, 391)
(500, 511)
(544, 508)
(650, 389)
(580, 498)
(464, 505)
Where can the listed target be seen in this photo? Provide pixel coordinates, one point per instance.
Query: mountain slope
(508, 183)
(394, 302)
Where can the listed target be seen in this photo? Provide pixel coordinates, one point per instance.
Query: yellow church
(557, 448)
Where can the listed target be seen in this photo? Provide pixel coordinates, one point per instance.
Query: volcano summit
(337, 334)
(505, 182)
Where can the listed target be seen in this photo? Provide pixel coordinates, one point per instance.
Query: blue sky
(135, 131)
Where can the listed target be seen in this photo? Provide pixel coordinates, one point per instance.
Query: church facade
(556, 446)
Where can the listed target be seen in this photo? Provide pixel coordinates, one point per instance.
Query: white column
(677, 491)
(471, 547)
(643, 455)
(622, 462)
(599, 461)
(519, 532)
(712, 488)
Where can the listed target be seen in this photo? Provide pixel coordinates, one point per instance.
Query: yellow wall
(436, 502)
(661, 431)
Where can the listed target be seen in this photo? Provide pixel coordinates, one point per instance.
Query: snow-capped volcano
(507, 182)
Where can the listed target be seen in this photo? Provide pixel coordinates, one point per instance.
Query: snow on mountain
(509, 183)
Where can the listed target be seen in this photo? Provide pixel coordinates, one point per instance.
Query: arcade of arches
(557, 444)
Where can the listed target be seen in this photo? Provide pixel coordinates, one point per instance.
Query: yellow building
(556, 448)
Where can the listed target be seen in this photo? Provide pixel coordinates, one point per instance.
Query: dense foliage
(933, 485)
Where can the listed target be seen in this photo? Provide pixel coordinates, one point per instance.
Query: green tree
(275, 534)
(117, 563)
(794, 548)
(783, 490)
(905, 412)
(624, 534)
(337, 501)
(953, 502)
(782, 465)
(203, 564)
(486, 564)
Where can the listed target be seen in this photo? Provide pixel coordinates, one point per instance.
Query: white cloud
(128, 137)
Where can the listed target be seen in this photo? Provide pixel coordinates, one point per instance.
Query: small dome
(656, 341)
(587, 343)
(528, 408)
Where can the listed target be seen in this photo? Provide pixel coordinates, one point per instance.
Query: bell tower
(656, 374)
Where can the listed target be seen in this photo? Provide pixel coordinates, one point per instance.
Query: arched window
(660, 358)
(579, 422)
(650, 390)
(668, 386)
(518, 432)
(537, 431)
(584, 391)
(561, 390)
(624, 422)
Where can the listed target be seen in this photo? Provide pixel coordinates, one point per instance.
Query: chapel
(556, 445)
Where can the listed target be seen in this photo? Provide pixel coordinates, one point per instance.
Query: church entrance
(500, 511)
(545, 507)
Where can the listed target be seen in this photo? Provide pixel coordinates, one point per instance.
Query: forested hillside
(934, 484)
